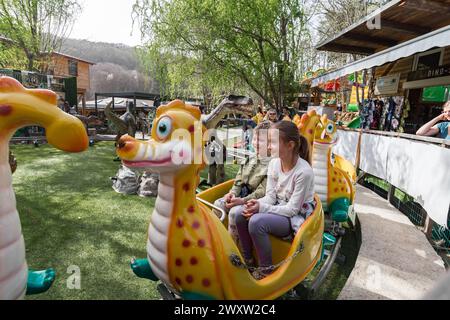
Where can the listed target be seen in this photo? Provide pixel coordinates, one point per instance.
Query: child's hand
(251, 208)
(229, 197)
(235, 202)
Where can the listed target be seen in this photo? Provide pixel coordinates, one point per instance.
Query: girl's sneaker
(251, 264)
(259, 274)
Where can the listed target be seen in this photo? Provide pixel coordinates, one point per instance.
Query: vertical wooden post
(391, 194)
(83, 104)
(76, 105)
(358, 150)
(372, 82)
(96, 104)
(358, 101)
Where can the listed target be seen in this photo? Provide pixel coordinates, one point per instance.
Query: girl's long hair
(289, 132)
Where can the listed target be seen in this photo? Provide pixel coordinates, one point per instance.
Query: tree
(190, 77)
(10, 56)
(37, 27)
(258, 42)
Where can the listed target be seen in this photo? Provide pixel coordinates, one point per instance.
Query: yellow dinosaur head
(176, 141)
(325, 131)
(20, 107)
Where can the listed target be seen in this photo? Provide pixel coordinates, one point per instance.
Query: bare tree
(335, 16)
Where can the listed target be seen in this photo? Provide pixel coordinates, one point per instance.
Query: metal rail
(209, 204)
(326, 268)
(433, 140)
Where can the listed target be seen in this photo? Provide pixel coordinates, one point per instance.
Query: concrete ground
(395, 261)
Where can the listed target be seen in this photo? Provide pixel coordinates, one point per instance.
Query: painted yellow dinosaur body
(334, 176)
(21, 107)
(188, 248)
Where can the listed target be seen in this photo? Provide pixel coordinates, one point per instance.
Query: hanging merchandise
(371, 114)
(353, 105)
(393, 113)
(405, 115)
(379, 105)
(384, 112)
(332, 86)
(367, 114)
(387, 114)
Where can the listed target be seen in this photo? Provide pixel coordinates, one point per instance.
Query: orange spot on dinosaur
(194, 261)
(5, 110)
(201, 243)
(206, 282)
(186, 243)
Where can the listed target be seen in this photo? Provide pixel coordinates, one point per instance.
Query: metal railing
(432, 140)
(35, 80)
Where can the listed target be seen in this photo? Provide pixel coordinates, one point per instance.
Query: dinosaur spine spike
(45, 95)
(8, 84)
(312, 113)
(179, 104)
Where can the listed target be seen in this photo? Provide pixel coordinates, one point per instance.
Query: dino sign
(188, 247)
(20, 107)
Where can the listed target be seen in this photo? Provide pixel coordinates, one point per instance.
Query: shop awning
(396, 22)
(437, 38)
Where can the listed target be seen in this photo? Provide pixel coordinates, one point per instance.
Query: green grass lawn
(72, 217)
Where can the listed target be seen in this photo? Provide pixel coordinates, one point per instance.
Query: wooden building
(68, 67)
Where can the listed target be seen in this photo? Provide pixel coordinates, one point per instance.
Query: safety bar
(224, 214)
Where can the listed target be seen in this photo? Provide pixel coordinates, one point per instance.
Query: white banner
(425, 176)
(347, 145)
(420, 169)
(374, 150)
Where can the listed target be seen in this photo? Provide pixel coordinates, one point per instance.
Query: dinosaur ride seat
(283, 249)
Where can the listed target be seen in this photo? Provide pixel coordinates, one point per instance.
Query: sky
(106, 21)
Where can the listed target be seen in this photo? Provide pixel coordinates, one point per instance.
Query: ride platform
(395, 261)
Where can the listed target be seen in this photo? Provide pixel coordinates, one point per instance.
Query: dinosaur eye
(164, 128)
(330, 128)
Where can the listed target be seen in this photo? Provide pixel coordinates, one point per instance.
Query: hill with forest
(117, 67)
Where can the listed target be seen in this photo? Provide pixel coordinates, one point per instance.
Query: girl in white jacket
(289, 198)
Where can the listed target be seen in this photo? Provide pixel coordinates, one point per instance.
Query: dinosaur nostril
(120, 144)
